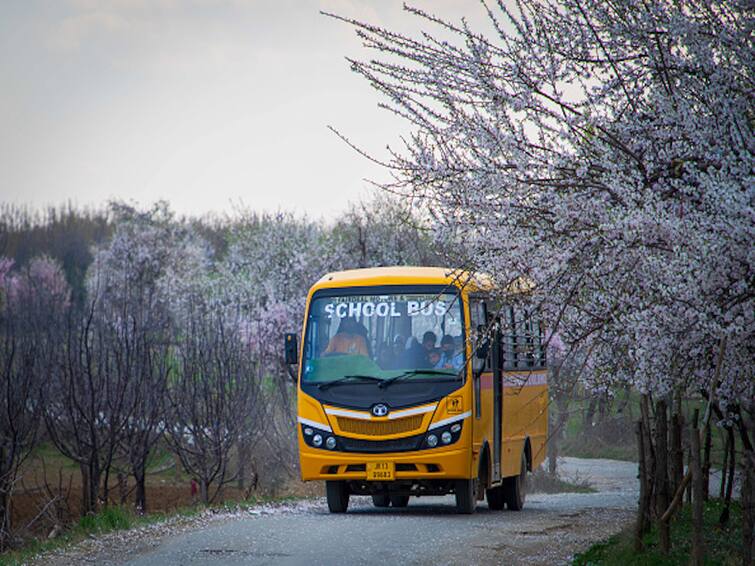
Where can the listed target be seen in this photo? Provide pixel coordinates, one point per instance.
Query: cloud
(73, 32)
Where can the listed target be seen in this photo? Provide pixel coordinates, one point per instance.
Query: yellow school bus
(413, 381)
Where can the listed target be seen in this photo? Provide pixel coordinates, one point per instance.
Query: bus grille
(379, 446)
(380, 428)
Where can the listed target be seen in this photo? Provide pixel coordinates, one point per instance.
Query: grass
(108, 520)
(578, 448)
(723, 546)
(121, 518)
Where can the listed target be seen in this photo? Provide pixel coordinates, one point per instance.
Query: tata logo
(380, 410)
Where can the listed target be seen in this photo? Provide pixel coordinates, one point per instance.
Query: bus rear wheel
(515, 488)
(337, 493)
(399, 500)
(381, 500)
(466, 498)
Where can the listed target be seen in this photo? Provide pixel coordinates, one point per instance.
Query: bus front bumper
(416, 465)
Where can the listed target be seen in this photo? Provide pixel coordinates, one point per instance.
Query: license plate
(381, 471)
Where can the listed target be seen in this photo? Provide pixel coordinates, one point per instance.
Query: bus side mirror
(292, 349)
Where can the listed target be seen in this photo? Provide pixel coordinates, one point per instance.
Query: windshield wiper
(410, 373)
(345, 378)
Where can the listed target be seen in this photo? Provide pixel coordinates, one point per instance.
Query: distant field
(167, 489)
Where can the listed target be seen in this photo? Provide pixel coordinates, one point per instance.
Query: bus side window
(523, 337)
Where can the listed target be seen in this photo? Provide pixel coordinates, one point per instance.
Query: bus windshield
(383, 338)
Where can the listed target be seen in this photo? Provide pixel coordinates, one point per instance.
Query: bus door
(497, 363)
(484, 331)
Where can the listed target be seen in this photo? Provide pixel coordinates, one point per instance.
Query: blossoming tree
(604, 150)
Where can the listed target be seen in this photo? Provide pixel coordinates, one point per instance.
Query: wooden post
(698, 545)
(722, 489)
(661, 474)
(677, 454)
(649, 451)
(643, 503)
(724, 518)
(748, 508)
(677, 500)
(706, 460)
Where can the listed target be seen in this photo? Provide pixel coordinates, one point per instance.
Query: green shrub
(109, 519)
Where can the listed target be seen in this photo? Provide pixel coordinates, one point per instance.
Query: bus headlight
(443, 435)
(319, 437)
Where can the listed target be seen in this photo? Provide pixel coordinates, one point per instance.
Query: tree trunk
(140, 497)
(748, 508)
(122, 487)
(85, 490)
(677, 453)
(706, 461)
(243, 453)
(698, 546)
(552, 455)
(94, 485)
(555, 439)
(689, 486)
(649, 452)
(661, 474)
(5, 517)
(722, 489)
(589, 416)
(643, 512)
(724, 518)
(204, 491)
(105, 491)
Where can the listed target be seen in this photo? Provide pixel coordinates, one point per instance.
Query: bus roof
(399, 275)
(412, 275)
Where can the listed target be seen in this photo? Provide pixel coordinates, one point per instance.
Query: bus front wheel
(466, 498)
(515, 487)
(337, 493)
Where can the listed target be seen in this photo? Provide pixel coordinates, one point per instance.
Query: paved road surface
(549, 530)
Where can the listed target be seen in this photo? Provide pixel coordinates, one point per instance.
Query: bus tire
(515, 487)
(380, 500)
(466, 498)
(337, 493)
(399, 500)
(495, 497)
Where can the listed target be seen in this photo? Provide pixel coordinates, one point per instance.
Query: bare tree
(30, 304)
(145, 249)
(215, 386)
(83, 410)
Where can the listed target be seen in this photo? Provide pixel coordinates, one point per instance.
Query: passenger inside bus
(349, 339)
(449, 357)
(419, 354)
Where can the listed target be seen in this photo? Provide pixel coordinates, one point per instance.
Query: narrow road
(549, 530)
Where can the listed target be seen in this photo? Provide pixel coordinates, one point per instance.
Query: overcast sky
(205, 103)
